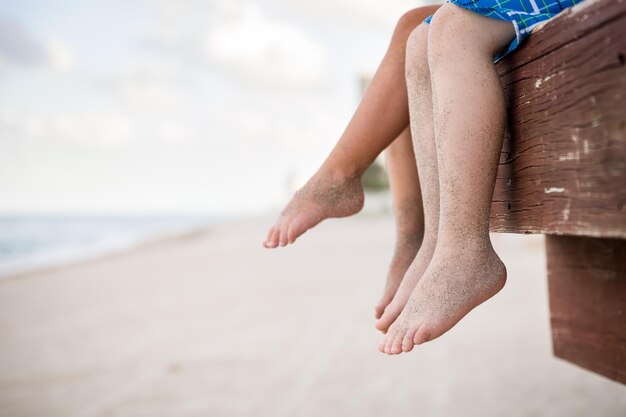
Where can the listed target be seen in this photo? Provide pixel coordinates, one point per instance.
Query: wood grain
(563, 172)
(563, 163)
(587, 286)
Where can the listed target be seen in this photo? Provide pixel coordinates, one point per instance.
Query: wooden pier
(563, 174)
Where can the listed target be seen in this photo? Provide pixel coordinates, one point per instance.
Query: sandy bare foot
(455, 282)
(406, 286)
(407, 247)
(322, 197)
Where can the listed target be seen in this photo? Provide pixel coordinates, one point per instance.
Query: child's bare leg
(408, 212)
(469, 114)
(335, 190)
(421, 109)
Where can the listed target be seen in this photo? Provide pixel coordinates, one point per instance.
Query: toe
(295, 230)
(379, 310)
(396, 346)
(390, 337)
(291, 235)
(381, 344)
(391, 313)
(407, 342)
(268, 240)
(422, 335)
(282, 240)
(273, 242)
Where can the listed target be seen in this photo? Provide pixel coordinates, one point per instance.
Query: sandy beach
(211, 324)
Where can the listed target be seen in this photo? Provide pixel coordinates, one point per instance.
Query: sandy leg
(422, 130)
(408, 213)
(469, 116)
(380, 118)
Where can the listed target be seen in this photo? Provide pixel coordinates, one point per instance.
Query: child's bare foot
(406, 249)
(405, 288)
(322, 197)
(455, 282)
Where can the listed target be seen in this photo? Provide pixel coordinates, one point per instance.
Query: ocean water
(29, 243)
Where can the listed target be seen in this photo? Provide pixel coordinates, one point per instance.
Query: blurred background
(171, 109)
(145, 148)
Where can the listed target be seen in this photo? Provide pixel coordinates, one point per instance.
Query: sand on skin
(214, 325)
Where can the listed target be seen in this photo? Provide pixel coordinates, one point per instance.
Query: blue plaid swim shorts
(524, 14)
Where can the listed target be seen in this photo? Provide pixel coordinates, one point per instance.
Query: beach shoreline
(37, 243)
(106, 253)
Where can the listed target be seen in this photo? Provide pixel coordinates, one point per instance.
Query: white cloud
(241, 39)
(258, 49)
(19, 47)
(149, 96)
(373, 14)
(60, 56)
(95, 129)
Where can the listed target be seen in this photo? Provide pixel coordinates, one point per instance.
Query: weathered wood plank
(587, 286)
(563, 164)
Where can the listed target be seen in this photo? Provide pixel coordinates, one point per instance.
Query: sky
(177, 107)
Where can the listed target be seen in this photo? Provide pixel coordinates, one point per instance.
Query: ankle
(344, 174)
(463, 237)
(342, 169)
(409, 239)
(473, 247)
(409, 219)
(406, 248)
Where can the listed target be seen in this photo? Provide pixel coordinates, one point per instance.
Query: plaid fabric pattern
(524, 14)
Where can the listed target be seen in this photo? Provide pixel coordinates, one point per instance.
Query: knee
(410, 20)
(447, 30)
(455, 32)
(416, 63)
